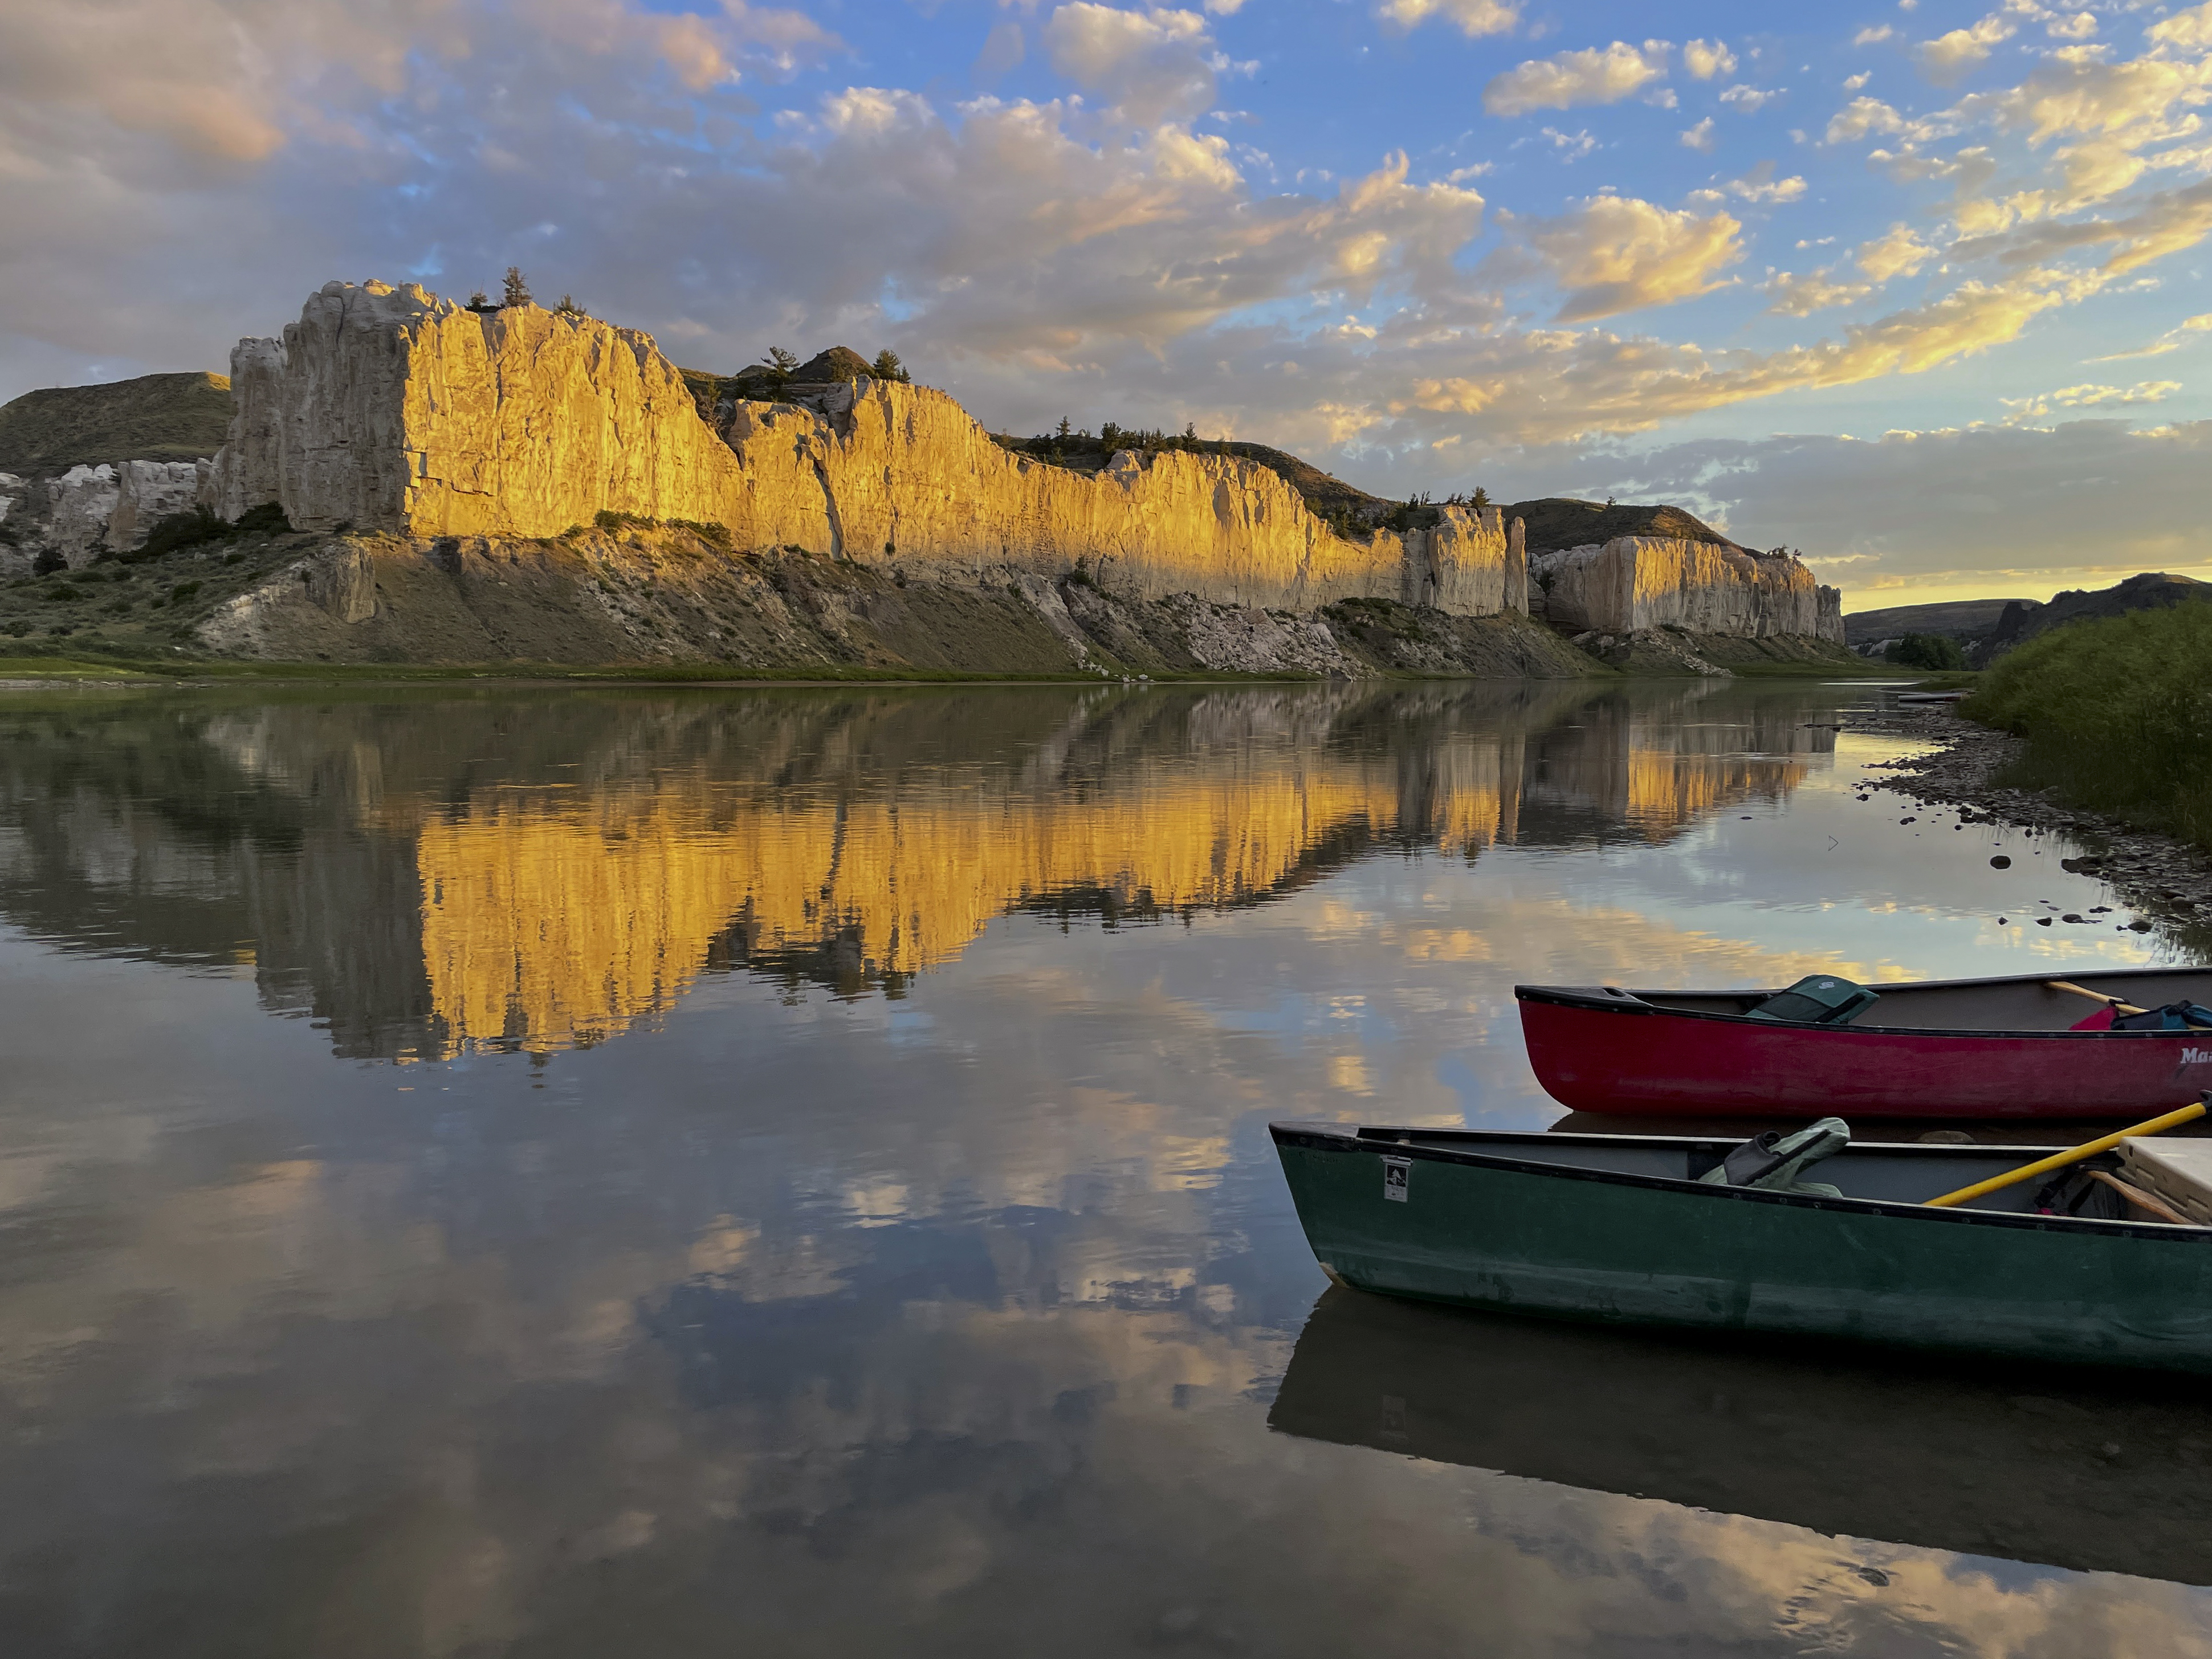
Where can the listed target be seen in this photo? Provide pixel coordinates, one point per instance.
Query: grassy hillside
(1956, 619)
(2117, 715)
(1558, 521)
(155, 418)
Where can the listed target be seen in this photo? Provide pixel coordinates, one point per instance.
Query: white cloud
(1151, 65)
(1873, 37)
(1699, 137)
(2021, 409)
(1590, 77)
(2190, 30)
(1615, 253)
(1707, 58)
(1863, 117)
(1852, 83)
(1949, 57)
(2170, 341)
(1473, 17)
(1761, 185)
(1900, 254)
(1751, 99)
(1801, 296)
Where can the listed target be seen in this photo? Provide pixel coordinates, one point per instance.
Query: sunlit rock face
(1637, 582)
(390, 410)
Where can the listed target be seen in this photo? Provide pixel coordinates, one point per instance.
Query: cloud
(2167, 222)
(1864, 117)
(1616, 254)
(2188, 31)
(1590, 77)
(1761, 185)
(1750, 99)
(1872, 37)
(1150, 65)
(1707, 58)
(2170, 341)
(1900, 254)
(2020, 410)
(1473, 17)
(1699, 137)
(1949, 57)
(1995, 507)
(1801, 296)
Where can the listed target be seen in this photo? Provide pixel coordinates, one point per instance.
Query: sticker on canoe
(1395, 1171)
(2195, 1056)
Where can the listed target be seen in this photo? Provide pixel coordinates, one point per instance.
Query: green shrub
(182, 591)
(266, 520)
(2117, 715)
(607, 518)
(1938, 651)
(713, 532)
(177, 531)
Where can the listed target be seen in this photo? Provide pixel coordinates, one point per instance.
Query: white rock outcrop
(389, 409)
(1635, 583)
(90, 510)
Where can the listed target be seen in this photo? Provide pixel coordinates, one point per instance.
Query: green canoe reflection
(2058, 1468)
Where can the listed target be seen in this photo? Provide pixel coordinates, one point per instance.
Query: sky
(1918, 289)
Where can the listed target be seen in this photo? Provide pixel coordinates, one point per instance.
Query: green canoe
(1617, 1227)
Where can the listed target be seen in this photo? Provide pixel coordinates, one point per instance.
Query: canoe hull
(1656, 1061)
(1485, 1231)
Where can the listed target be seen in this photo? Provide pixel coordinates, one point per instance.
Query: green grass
(155, 418)
(2117, 715)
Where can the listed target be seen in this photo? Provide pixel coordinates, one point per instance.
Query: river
(549, 1171)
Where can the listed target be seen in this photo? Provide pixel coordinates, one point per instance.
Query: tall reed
(2117, 715)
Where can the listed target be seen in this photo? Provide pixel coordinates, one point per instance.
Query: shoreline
(2161, 879)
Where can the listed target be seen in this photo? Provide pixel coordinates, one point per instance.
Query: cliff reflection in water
(430, 872)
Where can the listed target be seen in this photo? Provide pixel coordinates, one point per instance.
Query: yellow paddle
(2118, 1007)
(2073, 1154)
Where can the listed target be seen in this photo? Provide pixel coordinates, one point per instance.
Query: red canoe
(1963, 1048)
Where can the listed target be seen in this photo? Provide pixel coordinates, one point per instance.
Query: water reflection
(832, 1211)
(2059, 1467)
(433, 874)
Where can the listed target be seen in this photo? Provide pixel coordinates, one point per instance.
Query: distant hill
(2023, 619)
(155, 418)
(1558, 521)
(1964, 620)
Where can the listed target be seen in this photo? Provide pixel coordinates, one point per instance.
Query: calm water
(785, 1172)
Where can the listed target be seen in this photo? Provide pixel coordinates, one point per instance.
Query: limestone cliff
(1634, 583)
(390, 410)
(71, 519)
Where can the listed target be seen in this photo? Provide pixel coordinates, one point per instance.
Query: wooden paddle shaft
(2094, 996)
(2072, 1155)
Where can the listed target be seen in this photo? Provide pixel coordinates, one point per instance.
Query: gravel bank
(2163, 880)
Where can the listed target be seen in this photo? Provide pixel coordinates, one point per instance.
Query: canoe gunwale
(1334, 1138)
(1631, 1004)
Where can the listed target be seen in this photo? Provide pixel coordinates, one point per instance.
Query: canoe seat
(2180, 1172)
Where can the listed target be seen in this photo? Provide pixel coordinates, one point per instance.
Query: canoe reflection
(2055, 1468)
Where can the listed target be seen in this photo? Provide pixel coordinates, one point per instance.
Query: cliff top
(2023, 619)
(155, 418)
(1553, 522)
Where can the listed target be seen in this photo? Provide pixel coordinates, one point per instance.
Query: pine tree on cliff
(518, 288)
(887, 367)
(779, 365)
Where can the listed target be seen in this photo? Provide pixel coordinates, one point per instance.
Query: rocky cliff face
(1634, 583)
(71, 520)
(387, 410)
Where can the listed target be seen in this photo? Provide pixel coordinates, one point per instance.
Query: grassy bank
(2117, 715)
(156, 670)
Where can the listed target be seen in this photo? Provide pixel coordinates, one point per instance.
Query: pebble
(2166, 882)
